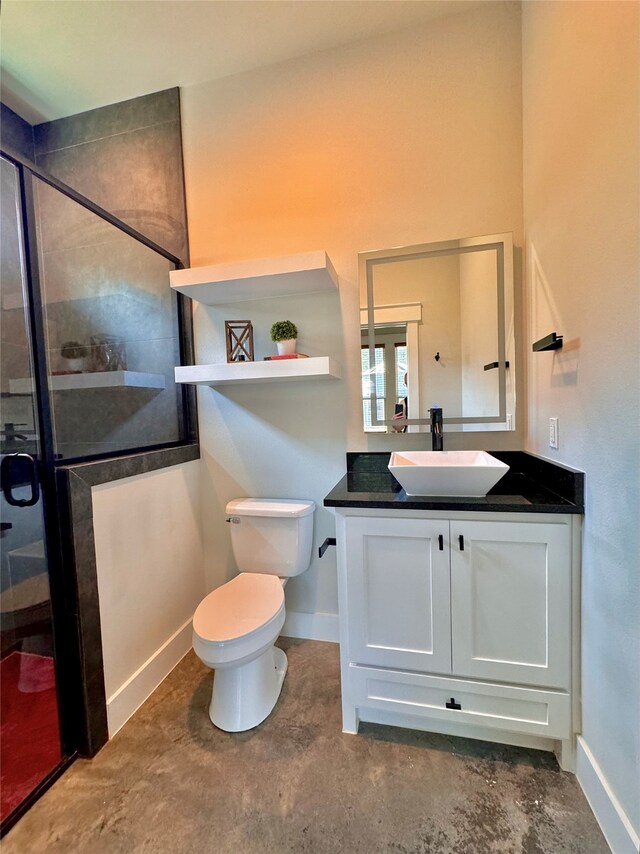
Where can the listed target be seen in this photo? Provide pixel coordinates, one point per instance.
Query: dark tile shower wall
(16, 133)
(18, 410)
(98, 282)
(127, 158)
(15, 346)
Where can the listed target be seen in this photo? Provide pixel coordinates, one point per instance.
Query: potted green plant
(75, 354)
(285, 334)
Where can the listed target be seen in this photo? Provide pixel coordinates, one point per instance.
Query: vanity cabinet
(458, 622)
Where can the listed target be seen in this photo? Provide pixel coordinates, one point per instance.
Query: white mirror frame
(502, 244)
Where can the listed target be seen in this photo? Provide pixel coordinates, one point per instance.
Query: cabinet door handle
(461, 541)
(441, 542)
(453, 705)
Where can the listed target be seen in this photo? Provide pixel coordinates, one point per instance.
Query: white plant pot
(287, 348)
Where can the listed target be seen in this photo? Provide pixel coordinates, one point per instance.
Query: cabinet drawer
(523, 710)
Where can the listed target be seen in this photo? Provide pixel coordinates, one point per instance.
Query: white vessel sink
(446, 473)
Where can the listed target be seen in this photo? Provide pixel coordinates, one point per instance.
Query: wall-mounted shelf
(263, 278)
(549, 342)
(493, 365)
(318, 367)
(97, 379)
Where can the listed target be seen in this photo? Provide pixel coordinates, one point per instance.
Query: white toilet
(236, 626)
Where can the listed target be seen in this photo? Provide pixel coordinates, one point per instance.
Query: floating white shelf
(317, 367)
(98, 379)
(263, 278)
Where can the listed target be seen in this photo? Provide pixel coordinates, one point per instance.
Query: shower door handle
(18, 470)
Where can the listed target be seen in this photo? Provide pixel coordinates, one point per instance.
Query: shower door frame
(83, 728)
(188, 411)
(65, 651)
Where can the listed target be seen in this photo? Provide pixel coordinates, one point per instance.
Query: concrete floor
(170, 783)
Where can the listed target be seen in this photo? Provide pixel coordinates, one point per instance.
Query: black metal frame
(62, 629)
(45, 440)
(23, 162)
(25, 805)
(188, 412)
(73, 700)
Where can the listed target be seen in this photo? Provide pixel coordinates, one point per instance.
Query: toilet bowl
(235, 627)
(234, 631)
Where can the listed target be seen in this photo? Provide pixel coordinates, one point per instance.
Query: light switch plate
(553, 433)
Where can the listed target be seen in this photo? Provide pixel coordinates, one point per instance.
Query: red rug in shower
(29, 735)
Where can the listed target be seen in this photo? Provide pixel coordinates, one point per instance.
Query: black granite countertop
(532, 485)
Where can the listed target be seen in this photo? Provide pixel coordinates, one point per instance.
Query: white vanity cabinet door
(511, 602)
(398, 597)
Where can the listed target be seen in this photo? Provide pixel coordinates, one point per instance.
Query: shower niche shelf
(98, 379)
(316, 367)
(263, 278)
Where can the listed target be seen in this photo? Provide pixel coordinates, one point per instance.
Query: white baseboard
(611, 817)
(322, 627)
(138, 687)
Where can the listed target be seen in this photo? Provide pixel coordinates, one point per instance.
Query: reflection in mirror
(437, 329)
(386, 380)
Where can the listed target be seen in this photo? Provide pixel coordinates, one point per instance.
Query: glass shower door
(30, 745)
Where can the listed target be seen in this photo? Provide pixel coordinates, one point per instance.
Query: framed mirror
(437, 329)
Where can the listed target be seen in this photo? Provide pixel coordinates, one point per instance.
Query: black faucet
(436, 428)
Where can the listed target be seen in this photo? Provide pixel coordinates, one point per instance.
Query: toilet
(236, 626)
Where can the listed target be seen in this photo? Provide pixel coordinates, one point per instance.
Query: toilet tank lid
(287, 507)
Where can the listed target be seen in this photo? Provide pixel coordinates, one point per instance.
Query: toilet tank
(273, 536)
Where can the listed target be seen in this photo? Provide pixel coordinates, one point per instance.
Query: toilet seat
(238, 620)
(238, 608)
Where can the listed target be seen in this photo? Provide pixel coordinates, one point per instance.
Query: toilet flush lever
(233, 519)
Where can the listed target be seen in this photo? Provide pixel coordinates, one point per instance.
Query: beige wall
(581, 97)
(398, 140)
(434, 283)
(150, 579)
(479, 333)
